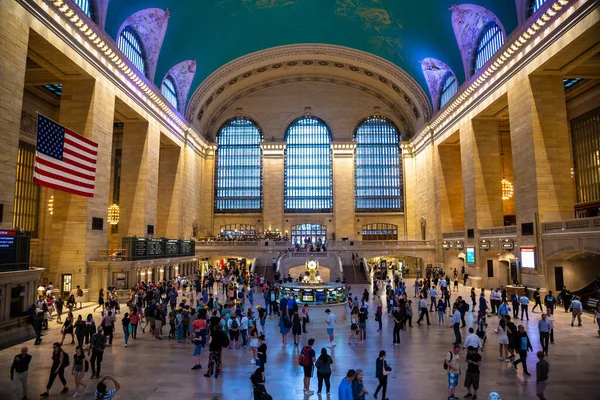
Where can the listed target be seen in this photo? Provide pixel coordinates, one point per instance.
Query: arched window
(85, 6)
(449, 88)
(308, 179)
(489, 43)
(238, 183)
(535, 5)
(380, 232)
(377, 167)
(169, 91)
(309, 233)
(131, 46)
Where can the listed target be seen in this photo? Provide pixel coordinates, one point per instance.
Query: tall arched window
(131, 46)
(85, 6)
(449, 88)
(238, 171)
(377, 167)
(308, 178)
(535, 5)
(169, 91)
(308, 233)
(489, 43)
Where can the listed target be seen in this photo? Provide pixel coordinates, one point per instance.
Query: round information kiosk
(314, 292)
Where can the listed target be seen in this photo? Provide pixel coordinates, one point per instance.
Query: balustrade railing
(499, 231)
(572, 225)
(454, 235)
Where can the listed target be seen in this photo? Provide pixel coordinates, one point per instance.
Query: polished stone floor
(152, 369)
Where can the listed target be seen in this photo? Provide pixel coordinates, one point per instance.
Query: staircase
(355, 275)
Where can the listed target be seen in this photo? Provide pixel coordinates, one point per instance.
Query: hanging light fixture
(113, 214)
(507, 186)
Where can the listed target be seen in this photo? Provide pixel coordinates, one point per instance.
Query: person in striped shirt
(102, 392)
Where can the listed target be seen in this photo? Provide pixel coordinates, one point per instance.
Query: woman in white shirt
(502, 340)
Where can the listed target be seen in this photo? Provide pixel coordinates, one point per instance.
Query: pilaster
(273, 186)
(343, 188)
(170, 192)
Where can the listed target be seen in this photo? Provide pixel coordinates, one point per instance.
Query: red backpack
(304, 358)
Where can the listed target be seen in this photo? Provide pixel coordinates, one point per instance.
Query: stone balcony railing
(330, 245)
(453, 235)
(499, 231)
(572, 226)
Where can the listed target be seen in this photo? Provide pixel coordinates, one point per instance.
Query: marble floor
(152, 369)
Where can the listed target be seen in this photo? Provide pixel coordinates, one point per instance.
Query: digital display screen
(528, 257)
(308, 296)
(471, 255)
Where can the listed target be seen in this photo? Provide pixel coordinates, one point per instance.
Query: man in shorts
(330, 320)
(309, 353)
(542, 368)
(452, 363)
(472, 376)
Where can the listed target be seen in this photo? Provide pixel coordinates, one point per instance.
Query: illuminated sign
(528, 257)
(471, 255)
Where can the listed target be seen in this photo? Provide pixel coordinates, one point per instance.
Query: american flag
(64, 160)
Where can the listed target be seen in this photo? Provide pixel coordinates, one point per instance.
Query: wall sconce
(484, 244)
(51, 205)
(114, 213)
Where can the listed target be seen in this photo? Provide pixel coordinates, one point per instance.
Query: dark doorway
(514, 272)
(490, 268)
(17, 298)
(559, 279)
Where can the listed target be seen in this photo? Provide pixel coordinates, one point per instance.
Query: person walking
(576, 310)
(67, 328)
(126, 321)
(100, 300)
(455, 322)
(296, 327)
(423, 311)
(330, 320)
(108, 323)
(524, 346)
(79, 369)
(218, 341)
(305, 318)
(433, 295)
(441, 309)
(452, 365)
(382, 370)
(96, 348)
(102, 392)
(544, 328)
(524, 300)
(537, 297)
(358, 388)
(472, 375)
(542, 368)
(514, 299)
(345, 387)
(502, 341)
(60, 360)
(307, 359)
(397, 326)
(323, 366)
(18, 373)
(550, 302)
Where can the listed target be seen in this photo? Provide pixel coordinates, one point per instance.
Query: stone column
(14, 38)
(343, 189)
(139, 178)
(88, 108)
(409, 179)
(170, 173)
(207, 192)
(542, 160)
(191, 190)
(273, 188)
(449, 182)
(481, 181)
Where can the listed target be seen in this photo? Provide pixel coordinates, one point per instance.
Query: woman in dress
(80, 327)
(502, 340)
(254, 343)
(100, 300)
(285, 324)
(68, 328)
(78, 370)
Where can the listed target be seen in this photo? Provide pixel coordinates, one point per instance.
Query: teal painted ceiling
(215, 32)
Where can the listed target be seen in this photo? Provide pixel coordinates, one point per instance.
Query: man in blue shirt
(576, 310)
(503, 310)
(345, 388)
(544, 327)
(524, 300)
(455, 321)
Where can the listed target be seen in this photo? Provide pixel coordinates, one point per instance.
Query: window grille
(490, 42)
(169, 91)
(131, 46)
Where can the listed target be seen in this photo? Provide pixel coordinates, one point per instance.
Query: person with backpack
(234, 332)
(306, 359)
(218, 341)
(80, 367)
(60, 360)
(96, 348)
(452, 365)
(258, 386)
(323, 366)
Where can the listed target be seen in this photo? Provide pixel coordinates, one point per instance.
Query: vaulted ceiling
(215, 32)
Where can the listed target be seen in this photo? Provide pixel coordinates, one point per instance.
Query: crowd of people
(228, 307)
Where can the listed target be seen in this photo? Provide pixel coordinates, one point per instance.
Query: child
(198, 344)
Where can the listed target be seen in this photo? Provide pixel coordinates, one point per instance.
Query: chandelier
(507, 186)
(507, 189)
(113, 214)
